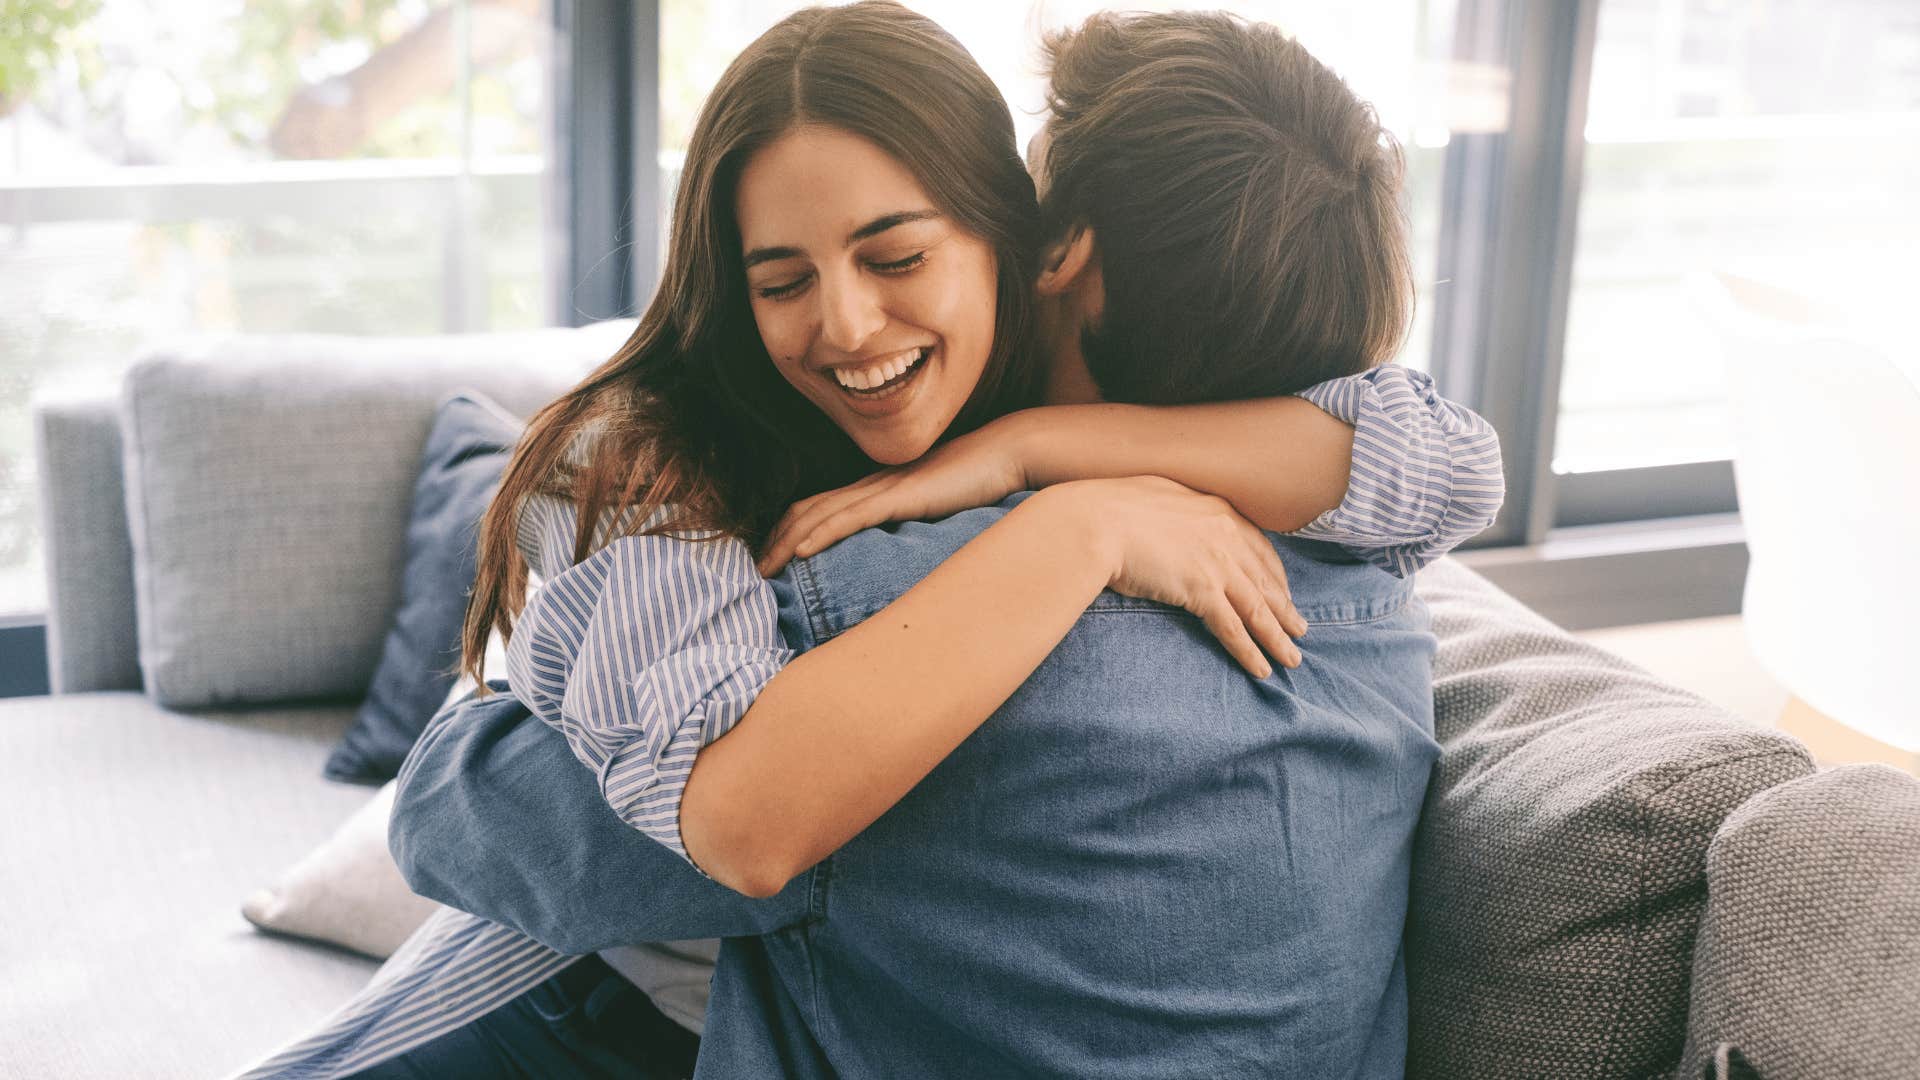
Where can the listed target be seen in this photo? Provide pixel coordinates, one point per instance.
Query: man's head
(1232, 203)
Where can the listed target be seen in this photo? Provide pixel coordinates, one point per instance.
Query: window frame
(1510, 211)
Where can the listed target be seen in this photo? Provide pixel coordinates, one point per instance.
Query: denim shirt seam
(808, 586)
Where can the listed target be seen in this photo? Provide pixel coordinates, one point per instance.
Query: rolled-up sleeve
(642, 654)
(1426, 472)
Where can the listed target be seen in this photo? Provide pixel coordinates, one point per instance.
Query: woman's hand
(1168, 543)
(977, 469)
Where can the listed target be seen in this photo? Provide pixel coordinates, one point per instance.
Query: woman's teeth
(879, 375)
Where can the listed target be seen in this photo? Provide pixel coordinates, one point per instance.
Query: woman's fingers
(812, 525)
(1256, 612)
(1227, 624)
(1272, 572)
(841, 524)
(779, 549)
(794, 526)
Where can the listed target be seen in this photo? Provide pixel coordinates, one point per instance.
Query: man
(1144, 864)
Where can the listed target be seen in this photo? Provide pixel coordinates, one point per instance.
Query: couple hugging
(1103, 758)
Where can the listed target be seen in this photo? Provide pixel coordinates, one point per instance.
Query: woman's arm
(847, 729)
(1282, 462)
(654, 647)
(1379, 462)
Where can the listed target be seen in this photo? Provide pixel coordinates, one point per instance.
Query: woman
(851, 189)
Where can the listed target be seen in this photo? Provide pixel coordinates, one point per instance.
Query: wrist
(1073, 519)
(1022, 439)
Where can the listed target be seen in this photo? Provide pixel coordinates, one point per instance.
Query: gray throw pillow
(268, 484)
(1559, 872)
(467, 450)
(1808, 962)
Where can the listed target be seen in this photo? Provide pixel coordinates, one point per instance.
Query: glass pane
(278, 165)
(1779, 142)
(1393, 52)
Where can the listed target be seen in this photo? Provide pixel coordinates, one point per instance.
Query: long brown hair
(690, 414)
(1245, 204)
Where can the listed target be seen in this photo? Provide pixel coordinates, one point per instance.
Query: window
(1779, 142)
(277, 165)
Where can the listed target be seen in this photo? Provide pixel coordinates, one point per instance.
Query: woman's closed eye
(892, 267)
(900, 266)
(783, 290)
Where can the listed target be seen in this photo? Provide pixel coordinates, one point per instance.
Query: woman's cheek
(783, 338)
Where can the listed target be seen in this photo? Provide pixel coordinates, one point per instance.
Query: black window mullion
(606, 134)
(23, 655)
(1510, 206)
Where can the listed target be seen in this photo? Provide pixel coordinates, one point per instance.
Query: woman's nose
(851, 314)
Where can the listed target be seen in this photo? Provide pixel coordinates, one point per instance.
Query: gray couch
(1613, 879)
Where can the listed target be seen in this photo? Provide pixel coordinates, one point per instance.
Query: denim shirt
(1145, 864)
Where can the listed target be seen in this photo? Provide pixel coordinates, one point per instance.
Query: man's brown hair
(1244, 203)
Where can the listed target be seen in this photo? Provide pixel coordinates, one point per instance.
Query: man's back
(1146, 863)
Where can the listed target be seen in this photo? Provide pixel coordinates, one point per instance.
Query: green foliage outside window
(33, 33)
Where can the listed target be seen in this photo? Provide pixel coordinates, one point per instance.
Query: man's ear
(1065, 261)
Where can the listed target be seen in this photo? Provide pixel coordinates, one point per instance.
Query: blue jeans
(587, 1021)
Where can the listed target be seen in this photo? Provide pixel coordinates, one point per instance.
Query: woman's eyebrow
(887, 221)
(872, 228)
(770, 254)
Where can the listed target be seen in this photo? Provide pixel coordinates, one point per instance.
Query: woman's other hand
(977, 469)
(1168, 543)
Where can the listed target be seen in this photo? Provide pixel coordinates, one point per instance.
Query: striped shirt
(652, 647)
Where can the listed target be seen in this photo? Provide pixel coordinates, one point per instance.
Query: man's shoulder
(842, 586)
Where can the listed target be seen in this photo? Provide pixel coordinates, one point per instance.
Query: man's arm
(494, 816)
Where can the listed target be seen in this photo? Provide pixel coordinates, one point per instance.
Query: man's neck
(1068, 380)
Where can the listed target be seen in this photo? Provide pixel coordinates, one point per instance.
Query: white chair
(1827, 463)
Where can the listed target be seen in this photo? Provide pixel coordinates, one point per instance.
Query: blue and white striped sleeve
(1426, 472)
(640, 654)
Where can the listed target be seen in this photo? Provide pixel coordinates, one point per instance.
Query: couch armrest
(1808, 960)
(91, 634)
(1559, 874)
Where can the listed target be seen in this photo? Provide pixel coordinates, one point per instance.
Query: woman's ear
(1066, 261)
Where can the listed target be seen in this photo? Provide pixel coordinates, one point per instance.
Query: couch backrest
(227, 527)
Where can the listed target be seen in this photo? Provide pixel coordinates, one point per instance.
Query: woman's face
(871, 302)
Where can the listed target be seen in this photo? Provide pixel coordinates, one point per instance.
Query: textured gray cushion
(1808, 962)
(1559, 871)
(128, 835)
(83, 522)
(268, 482)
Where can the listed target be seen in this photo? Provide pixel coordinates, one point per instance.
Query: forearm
(494, 816)
(847, 729)
(1281, 462)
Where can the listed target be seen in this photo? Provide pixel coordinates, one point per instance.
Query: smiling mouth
(883, 380)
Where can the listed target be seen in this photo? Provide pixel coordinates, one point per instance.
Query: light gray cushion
(1560, 866)
(346, 892)
(127, 836)
(1808, 961)
(268, 481)
(83, 523)
(349, 891)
